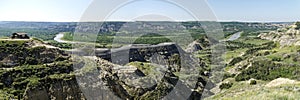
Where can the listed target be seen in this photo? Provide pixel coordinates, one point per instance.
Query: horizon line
(158, 21)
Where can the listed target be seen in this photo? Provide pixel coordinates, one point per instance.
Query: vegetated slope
(32, 52)
(253, 64)
(32, 70)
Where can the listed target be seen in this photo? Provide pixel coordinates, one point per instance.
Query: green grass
(252, 40)
(268, 63)
(146, 68)
(4, 95)
(33, 81)
(282, 52)
(233, 54)
(271, 57)
(244, 91)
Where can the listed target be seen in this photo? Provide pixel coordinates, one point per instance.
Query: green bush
(235, 60)
(228, 75)
(298, 25)
(225, 85)
(253, 82)
(268, 70)
(276, 59)
(31, 61)
(60, 58)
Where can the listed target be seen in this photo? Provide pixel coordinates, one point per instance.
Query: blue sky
(256, 10)
(224, 10)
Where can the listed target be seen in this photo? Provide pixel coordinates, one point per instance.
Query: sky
(223, 10)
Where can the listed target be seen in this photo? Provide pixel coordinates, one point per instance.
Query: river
(59, 37)
(235, 36)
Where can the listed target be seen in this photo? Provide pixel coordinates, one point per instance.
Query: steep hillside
(141, 80)
(30, 68)
(33, 70)
(263, 67)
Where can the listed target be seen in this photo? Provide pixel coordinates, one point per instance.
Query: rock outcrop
(193, 47)
(285, 36)
(55, 90)
(54, 74)
(139, 84)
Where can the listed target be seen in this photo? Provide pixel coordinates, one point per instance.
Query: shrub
(267, 53)
(268, 70)
(228, 75)
(253, 82)
(276, 59)
(225, 85)
(298, 25)
(235, 60)
(60, 58)
(31, 61)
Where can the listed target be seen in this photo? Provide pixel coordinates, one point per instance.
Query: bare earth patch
(281, 81)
